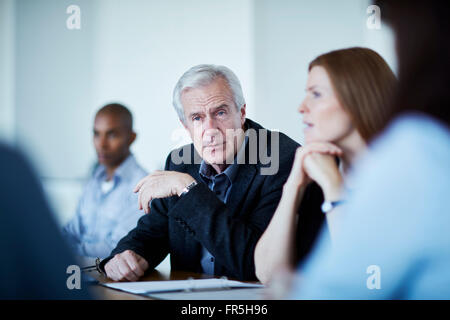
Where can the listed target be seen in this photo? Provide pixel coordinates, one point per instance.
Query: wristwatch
(188, 187)
(327, 206)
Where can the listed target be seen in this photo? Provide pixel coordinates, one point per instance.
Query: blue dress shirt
(394, 241)
(104, 217)
(220, 184)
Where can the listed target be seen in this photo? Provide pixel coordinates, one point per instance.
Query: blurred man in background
(108, 207)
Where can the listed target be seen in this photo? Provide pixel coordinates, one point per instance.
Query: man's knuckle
(135, 265)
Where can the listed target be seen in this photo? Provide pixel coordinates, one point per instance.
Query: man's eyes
(110, 135)
(220, 113)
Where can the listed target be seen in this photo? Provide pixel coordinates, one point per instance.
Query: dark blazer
(181, 225)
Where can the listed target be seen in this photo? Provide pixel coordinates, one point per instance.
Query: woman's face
(324, 117)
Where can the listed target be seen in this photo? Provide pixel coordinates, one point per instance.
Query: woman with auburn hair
(394, 242)
(347, 98)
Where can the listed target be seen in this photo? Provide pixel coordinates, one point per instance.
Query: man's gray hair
(202, 75)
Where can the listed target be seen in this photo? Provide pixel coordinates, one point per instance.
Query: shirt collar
(120, 172)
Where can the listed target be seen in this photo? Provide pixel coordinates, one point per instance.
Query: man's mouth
(213, 145)
(102, 157)
(213, 148)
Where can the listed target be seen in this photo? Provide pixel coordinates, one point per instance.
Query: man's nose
(211, 132)
(209, 123)
(103, 143)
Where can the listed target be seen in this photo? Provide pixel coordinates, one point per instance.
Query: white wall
(54, 71)
(7, 70)
(142, 48)
(291, 33)
(127, 51)
(133, 51)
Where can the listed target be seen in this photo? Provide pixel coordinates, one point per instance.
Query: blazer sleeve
(150, 238)
(231, 240)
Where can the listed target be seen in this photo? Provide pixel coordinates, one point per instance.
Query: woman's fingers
(321, 147)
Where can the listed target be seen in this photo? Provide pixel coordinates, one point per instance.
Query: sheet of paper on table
(221, 294)
(145, 287)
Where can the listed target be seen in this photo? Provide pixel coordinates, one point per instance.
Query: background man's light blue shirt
(395, 238)
(103, 218)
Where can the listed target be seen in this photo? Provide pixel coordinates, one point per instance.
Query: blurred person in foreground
(394, 241)
(347, 99)
(107, 209)
(34, 257)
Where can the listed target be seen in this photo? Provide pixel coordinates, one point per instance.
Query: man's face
(112, 139)
(213, 122)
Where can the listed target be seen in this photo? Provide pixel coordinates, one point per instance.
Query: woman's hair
(364, 85)
(422, 31)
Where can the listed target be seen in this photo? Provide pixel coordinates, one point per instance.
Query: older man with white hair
(216, 196)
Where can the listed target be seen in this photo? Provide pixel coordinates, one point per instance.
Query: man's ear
(243, 114)
(132, 138)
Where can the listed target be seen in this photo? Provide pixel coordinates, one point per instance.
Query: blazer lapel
(246, 173)
(193, 248)
(243, 181)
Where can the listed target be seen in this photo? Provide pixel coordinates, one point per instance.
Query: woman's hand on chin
(298, 178)
(323, 169)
